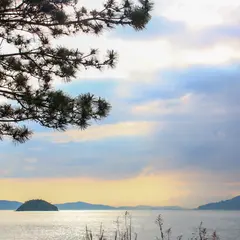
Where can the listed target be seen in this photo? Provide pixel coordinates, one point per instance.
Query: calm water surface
(70, 225)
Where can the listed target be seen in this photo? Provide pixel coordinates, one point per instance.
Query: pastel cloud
(159, 53)
(101, 132)
(163, 107)
(191, 12)
(155, 49)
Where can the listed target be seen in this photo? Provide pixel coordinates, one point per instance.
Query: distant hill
(9, 205)
(141, 207)
(231, 204)
(83, 206)
(89, 206)
(37, 205)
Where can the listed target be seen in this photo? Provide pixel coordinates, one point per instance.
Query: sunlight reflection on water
(70, 225)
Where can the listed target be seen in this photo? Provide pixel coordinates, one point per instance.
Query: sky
(172, 137)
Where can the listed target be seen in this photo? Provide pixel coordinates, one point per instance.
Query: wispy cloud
(163, 107)
(101, 132)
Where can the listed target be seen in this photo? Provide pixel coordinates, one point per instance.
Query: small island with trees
(37, 205)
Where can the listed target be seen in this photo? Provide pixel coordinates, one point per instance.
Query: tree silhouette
(26, 55)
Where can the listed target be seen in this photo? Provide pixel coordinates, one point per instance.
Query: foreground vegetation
(125, 232)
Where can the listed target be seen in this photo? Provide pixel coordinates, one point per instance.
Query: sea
(71, 225)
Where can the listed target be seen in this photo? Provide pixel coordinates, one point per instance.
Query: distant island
(37, 205)
(231, 204)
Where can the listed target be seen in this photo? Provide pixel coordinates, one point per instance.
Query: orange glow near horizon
(141, 190)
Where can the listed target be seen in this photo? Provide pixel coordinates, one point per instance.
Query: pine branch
(29, 27)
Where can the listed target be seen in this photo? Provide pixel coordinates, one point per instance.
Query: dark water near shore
(70, 225)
